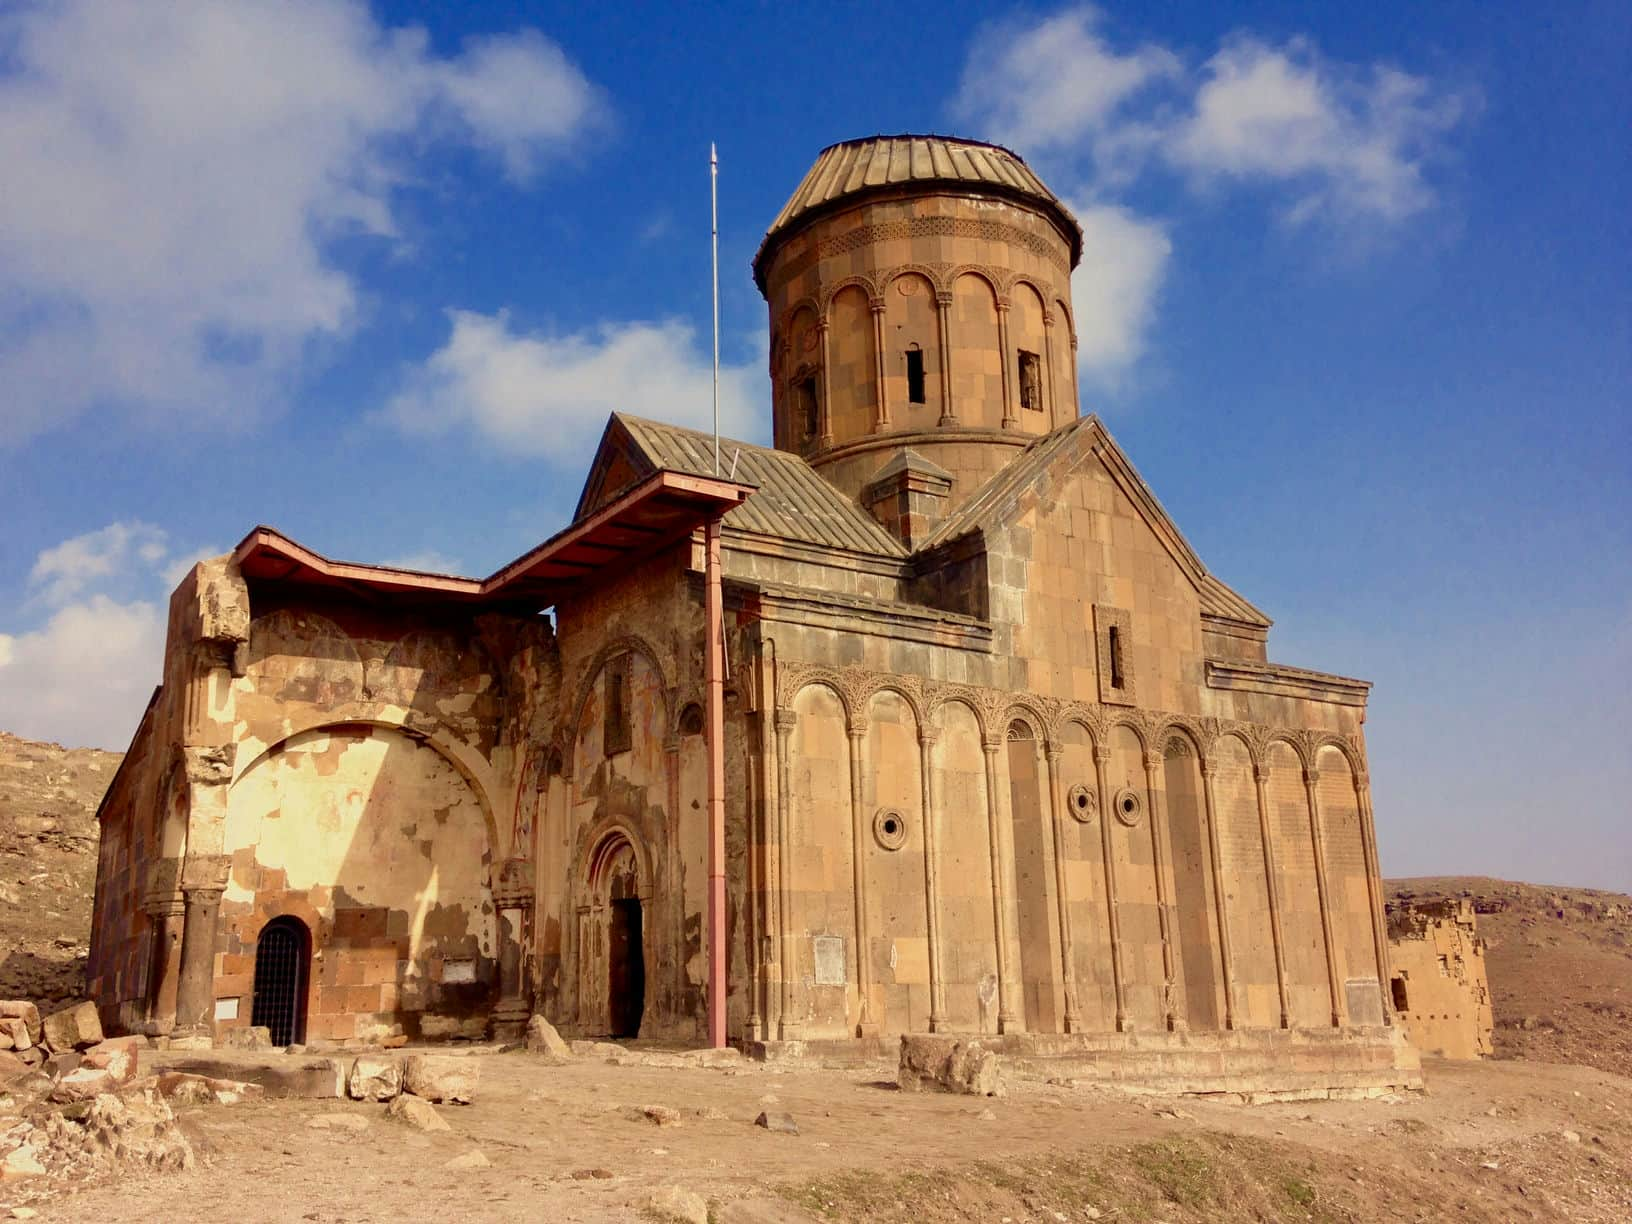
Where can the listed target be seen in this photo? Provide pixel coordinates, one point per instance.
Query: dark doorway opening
(626, 968)
(283, 957)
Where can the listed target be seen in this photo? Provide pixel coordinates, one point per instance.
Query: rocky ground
(597, 1140)
(48, 800)
(1542, 1132)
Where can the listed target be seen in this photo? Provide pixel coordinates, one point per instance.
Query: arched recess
(1042, 1003)
(852, 375)
(1195, 928)
(312, 658)
(821, 900)
(976, 353)
(1066, 406)
(798, 383)
(968, 929)
(1308, 988)
(1028, 339)
(1246, 887)
(1348, 886)
(892, 822)
(912, 325)
(465, 760)
(382, 845)
(1144, 974)
(1085, 879)
(591, 685)
(615, 895)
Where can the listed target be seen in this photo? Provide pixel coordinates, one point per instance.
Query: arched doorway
(613, 947)
(283, 957)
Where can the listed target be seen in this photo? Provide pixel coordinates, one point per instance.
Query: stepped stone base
(1257, 1065)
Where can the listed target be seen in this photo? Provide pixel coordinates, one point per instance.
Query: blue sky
(1355, 300)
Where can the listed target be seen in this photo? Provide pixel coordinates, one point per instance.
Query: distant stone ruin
(1438, 982)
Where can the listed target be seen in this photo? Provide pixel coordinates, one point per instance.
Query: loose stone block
(28, 1013)
(543, 1040)
(441, 1077)
(374, 1077)
(119, 1057)
(417, 1113)
(73, 1028)
(948, 1064)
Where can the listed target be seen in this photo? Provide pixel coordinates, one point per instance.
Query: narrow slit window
(1116, 657)
(915, 375)
(617, 734)
(808, 414)
(1031, 382)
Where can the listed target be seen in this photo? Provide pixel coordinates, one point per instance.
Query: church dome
(846, 172)
(919, 292)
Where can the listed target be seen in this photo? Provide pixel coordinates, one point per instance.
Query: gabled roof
(790, 501)
(875, 165)
(643, 517)
(1001, 498)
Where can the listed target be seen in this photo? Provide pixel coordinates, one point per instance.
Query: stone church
(926, 719)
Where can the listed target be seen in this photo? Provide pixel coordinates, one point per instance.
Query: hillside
(48, 799)
(1560, 966)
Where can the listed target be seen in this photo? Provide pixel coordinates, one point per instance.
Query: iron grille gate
(280, 972)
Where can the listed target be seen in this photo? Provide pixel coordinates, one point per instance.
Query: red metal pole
(714, 669)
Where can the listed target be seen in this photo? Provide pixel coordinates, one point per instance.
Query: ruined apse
(1003, 756)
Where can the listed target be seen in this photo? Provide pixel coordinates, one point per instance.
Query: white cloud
(1350, 143)
(549, 394)
(174, 172)
(85, 676)
(1114, 289)
(1055, 82)
(111, 553)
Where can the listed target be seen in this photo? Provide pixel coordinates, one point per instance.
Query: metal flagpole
(714, 208)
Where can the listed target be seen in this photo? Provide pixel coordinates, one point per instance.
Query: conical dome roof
(880, 165)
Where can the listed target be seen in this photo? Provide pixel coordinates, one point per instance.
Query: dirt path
(570, 1144)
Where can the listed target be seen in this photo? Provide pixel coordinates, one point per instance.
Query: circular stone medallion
(890, 828)
(1129, 807)
(1082, 803)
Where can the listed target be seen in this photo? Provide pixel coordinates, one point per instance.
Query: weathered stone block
(315, 1078)
(418, 1113)
(543, 1040)
(374, 1077)
(678, 1203)
(441, 1077)
(948, 1064)
(14, 1034)
(119, 1057)
(782, 1123)
(83, 1083)
(73, 1028)
(254, 1037)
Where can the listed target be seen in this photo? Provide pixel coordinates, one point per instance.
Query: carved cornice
(995, 710)
(1278, 680)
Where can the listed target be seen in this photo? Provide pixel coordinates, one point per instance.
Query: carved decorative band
(943, 227)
